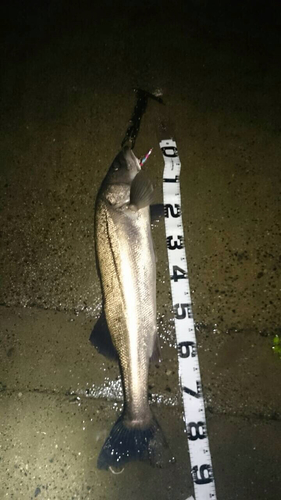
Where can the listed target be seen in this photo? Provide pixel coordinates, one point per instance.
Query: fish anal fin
(100, 338)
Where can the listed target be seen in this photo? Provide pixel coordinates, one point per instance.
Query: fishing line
(138, 112)
(189, 371)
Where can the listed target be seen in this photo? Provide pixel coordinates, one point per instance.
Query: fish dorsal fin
(141, 191)
(156, 212)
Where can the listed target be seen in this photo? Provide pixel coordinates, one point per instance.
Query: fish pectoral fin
(141, 192)
(156, 353)
(100, 338)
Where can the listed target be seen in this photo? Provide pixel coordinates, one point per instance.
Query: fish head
(124, 167)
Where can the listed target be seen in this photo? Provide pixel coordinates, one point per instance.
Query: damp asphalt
(67, 77)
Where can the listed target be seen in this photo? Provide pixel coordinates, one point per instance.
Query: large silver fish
(126, 263)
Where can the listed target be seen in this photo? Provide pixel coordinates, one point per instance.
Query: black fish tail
(127, 443)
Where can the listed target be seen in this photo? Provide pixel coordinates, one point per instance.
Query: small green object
(277, 345)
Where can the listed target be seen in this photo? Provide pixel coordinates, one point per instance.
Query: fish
(127, 271)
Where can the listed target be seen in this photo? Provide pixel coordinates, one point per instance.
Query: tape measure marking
(189, 371)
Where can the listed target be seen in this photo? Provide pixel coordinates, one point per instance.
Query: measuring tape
(189, 371)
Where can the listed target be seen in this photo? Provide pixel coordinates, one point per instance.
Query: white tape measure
(189, 371)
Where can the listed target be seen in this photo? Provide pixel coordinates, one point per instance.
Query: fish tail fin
(127, 443)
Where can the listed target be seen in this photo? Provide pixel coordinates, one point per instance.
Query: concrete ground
(67, 76)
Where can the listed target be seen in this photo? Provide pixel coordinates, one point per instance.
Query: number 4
(178, 273)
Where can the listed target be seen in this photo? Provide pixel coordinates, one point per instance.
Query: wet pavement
(67, 96)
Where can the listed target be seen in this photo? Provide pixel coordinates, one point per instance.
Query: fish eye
(115, 168)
